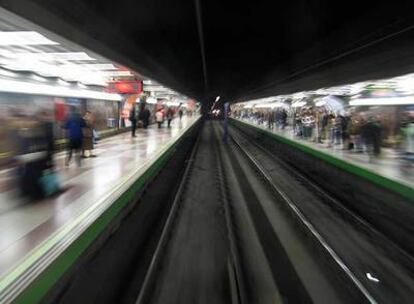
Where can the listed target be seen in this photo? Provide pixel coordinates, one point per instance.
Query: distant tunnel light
(390, 101)
(217, 98)
(24, 38)
(13, 86)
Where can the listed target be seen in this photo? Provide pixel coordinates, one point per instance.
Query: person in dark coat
(145, 117)
(88, 139)
(371, 134)
(133, 119)
(74, 126)
(170, 116)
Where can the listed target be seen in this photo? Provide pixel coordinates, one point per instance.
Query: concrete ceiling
(250, 50)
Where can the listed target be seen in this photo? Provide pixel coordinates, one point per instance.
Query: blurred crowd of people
(164, 113)
(358, 131)
(28, 142)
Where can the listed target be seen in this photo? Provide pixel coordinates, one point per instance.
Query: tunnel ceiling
(251, 49)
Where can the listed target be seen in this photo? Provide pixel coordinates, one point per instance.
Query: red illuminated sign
(125, 87)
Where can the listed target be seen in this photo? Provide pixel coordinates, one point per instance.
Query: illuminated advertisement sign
(125, 87)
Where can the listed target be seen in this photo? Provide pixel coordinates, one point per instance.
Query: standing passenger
(145, 117)
(133, 119)
(170, 115)
(409, 133)
(87, 131)
(74, 126)
(159, 116)
(180, 113)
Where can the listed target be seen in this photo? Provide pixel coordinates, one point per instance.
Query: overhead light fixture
(156, 88)
(95, 82)
(62, 82)
(13, 86)
(299, 95)
(24, 38)
(7, 73)
(38, 78)
(116, 73)
(81, 56)
(217, 98)
(320, 103)
(81, 85)
(100, 66)
(151, 100)
(263, 106)
(66, 56)
(299, 104)
(278, 104)
(172, 103)
(386, 101)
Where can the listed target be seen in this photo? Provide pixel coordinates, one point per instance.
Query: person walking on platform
(46, 125)
(145, 117)
(87, 132)
(409, 134)
(74, 126)
(159, 116)
(170, 116)
(180, 113)
(133, 120)
(371, 134)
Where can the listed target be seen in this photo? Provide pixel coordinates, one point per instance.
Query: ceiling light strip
(407, 100)
(12, 86)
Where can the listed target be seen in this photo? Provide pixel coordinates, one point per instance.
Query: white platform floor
(388, 164)
(25, 225)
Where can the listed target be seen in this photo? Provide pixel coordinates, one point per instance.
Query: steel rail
(157, 256)
(235, 268)
(302, 218)
(333, 200)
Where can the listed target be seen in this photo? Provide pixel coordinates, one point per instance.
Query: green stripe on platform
(44, 283)
(394, 186)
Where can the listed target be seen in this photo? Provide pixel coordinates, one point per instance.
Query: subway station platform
(389, 169)
(32, 230)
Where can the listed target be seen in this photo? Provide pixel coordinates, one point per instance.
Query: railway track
(241, 226)
(367, 258)
(202, 194)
